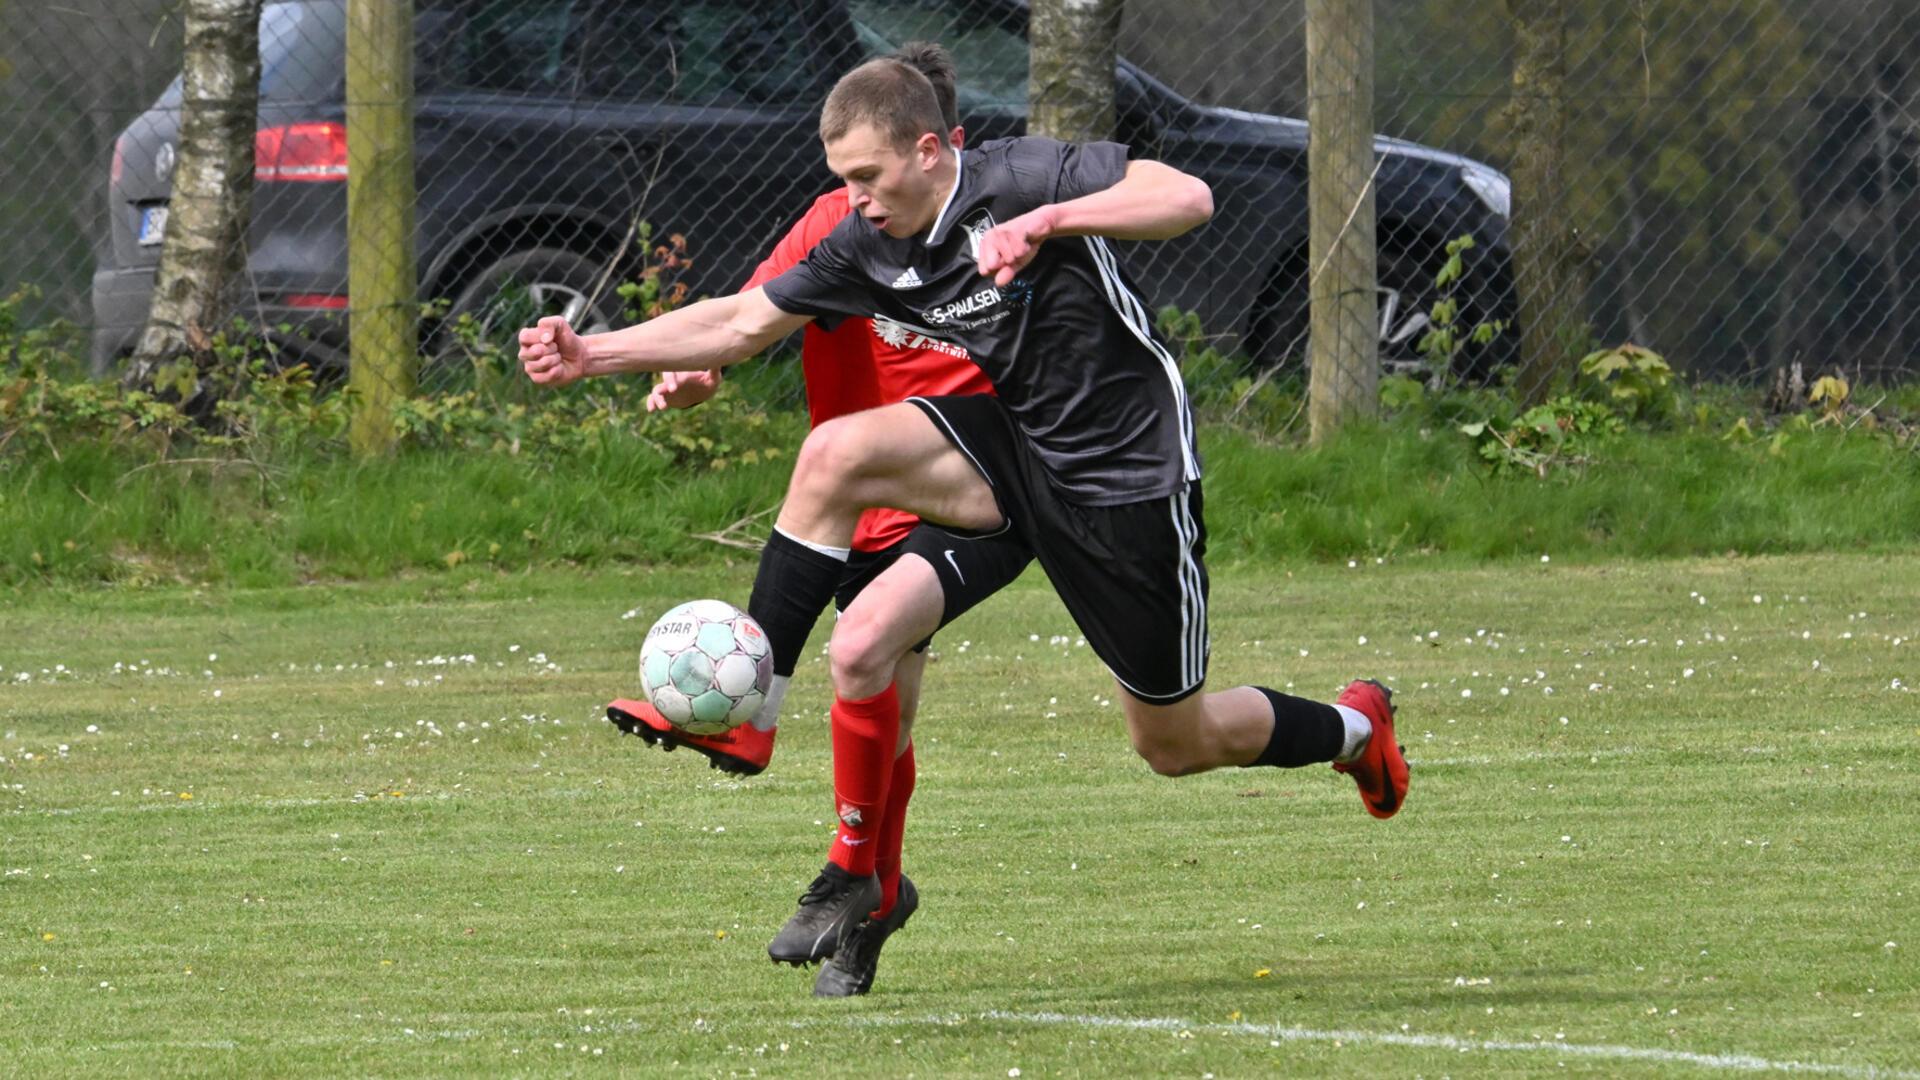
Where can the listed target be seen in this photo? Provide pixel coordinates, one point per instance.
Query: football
(706, 666)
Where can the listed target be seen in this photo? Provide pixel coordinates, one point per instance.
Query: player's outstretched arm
(1152, 201)
(712, 333)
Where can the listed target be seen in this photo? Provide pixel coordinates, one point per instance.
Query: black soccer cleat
(831, 907)
(850, 971)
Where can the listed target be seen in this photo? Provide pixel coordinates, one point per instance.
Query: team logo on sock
(850, 816)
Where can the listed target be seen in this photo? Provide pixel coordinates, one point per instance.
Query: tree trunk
(1542, 236)
(382, 279)
(1638, 255)
(1888, 194)
(1343, 331)
(202, 252)
(1070, 73)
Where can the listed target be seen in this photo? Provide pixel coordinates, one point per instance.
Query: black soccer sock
(795, 583)
(1304, 732)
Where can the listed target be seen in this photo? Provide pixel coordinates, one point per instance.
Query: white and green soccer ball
(706, 666)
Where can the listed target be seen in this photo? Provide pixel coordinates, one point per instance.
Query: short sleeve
(819, 220)
(827, 284)
(1050, 171)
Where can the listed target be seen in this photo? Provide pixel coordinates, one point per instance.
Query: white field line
(1276, 1033)
(1271, 1032)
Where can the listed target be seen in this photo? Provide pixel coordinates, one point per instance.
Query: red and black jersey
(857, 366)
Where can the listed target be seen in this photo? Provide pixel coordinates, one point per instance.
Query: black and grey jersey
(1068, 343)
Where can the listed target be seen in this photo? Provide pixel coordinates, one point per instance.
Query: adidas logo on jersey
(908, 280)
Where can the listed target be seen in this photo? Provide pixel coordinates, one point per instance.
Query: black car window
(718, 52)
(989, 44)
(506, 46)
(303, 50)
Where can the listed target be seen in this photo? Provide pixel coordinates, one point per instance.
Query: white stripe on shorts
(1193, 600)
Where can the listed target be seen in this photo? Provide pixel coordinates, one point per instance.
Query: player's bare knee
(820, 468)
(1169, 757)
(861, 663)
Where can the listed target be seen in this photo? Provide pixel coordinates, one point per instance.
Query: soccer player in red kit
(859, 364)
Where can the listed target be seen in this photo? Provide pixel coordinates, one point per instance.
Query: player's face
(895, 188)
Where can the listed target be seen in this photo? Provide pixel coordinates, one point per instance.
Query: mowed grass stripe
(1715, 863)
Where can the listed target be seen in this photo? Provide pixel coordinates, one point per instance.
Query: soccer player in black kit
(1088, 453)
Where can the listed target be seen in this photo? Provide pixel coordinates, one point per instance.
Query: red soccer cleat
(744, 751)
(1381, 769)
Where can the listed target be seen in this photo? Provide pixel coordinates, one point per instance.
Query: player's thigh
(894, 612)
(894, 456)
(1134, 579)
(970, 568)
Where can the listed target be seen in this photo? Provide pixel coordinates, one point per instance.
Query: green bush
(99, 483)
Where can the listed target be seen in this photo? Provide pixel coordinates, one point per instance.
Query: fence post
(381, 273)
(1070, 73)
(1343, 339)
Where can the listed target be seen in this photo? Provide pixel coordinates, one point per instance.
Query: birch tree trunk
(1070, 73)
(202, 252)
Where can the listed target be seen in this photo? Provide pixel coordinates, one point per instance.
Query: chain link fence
(1739, 183)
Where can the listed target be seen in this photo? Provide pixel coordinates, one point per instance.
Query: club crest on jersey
(976, 227)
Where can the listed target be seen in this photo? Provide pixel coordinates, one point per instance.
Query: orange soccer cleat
(1381, 769)
(744, 751)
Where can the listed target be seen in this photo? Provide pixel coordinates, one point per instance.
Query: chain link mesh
(1738, 179)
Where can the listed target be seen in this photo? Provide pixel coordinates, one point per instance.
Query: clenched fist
(1007, 248)
(551, 353)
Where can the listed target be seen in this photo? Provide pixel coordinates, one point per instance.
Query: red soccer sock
(893, 827)
(864, 734)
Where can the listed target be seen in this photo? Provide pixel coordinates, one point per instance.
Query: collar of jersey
(938, 232)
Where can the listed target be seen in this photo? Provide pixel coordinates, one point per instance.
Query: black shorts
(970, 568)
(1133, 576)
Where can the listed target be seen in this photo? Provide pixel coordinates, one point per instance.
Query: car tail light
(119, 161)
(320, 301)
(301, 153)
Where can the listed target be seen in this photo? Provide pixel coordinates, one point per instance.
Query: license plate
(153, 225)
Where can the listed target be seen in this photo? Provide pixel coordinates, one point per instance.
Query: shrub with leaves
(1637, 381)
(1448, 334)
(1221, 384)
(1564, 432)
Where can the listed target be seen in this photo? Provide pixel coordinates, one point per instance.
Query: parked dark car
(546, 129)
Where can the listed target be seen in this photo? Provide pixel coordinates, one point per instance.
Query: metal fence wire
(1739, 181)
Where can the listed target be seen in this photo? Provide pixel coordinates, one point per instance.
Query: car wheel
(483, 322)
(1277, 336)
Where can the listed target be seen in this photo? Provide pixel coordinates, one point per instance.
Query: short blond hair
(890, 94)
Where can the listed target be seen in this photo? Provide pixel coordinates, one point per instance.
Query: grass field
(1665, 819)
